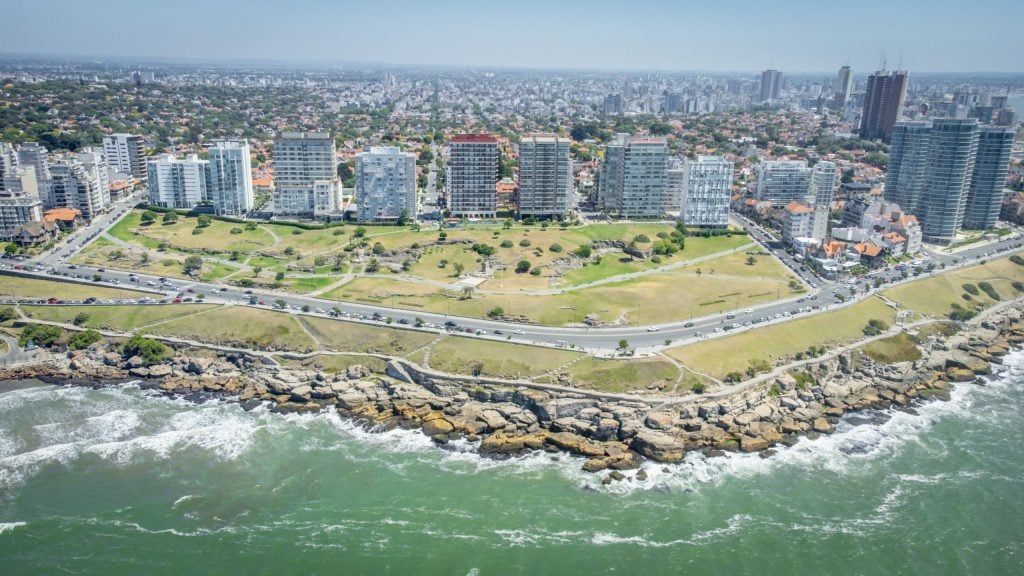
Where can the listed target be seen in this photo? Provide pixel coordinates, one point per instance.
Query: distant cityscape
(850, 170)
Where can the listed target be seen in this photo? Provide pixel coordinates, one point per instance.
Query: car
(688, 325)
(698, 334)
(498, 332)
(749, 310)
(450, 324)
(653, 328)
(519, 332)
(730, 316)
(403, 321)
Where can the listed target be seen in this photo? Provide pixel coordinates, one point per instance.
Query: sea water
(125, 481)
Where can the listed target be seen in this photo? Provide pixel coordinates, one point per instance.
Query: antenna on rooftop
(899, 65)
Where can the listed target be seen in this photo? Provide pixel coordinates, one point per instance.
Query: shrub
(7, 314)
(84, 339)
(523, 266)
(250, 226)
(555, 248)
(170, 218)
(337, 232)
(971, 289)
(775, 391)
(236, 230)
(296, 232)
(535, 271)
(733, 377)
(197, 231)
(506, 243)
(148, 217)
(378, 248)
(988, 289)
(203, 220)
(583, 251)
(40, 335)
(875, 327)
(1016, 259)
(524, 242)
(151, 351)
(641, 239)
(656, 259)
(698, 387)
(1018, 286)
(495, 312)
(483, 249)
(80, 318)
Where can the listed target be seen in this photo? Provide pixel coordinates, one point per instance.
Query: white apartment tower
(125, 153)
(545, 176)
(178, 182)
(707, 186)
(473, 176)
(819, 196)
(306, 181)
(385, 184)
(229, 181)
(632, 177)
(75, 184)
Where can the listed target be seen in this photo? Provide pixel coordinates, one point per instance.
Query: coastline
(612, 435)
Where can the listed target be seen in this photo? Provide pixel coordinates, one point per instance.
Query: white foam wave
(9, 526)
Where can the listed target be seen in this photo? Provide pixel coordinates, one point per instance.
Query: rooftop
(474, 139)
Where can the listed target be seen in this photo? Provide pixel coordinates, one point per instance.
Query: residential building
(125, 153)
(908, 164)
(771, 85)
(612, 104)
(991, 164)
(954, 144)
(782, 181)
(609, 179)
(545, 176)
(882, 104)
(385, 185)
(38, 157)
(674, 185)
(20, 181)
(229, 180)
(74, 185)
(34, 233)
(643, 178)
(473, 176)
(797, 222)
(306, 183)
(18, 207)
(8, 161)
(707, 185)
(820, 192)
(95, 166)
(843, 88)
(178, 182)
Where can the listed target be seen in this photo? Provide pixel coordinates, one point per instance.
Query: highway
(821, 296)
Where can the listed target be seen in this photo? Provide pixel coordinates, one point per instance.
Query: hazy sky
(791, 35)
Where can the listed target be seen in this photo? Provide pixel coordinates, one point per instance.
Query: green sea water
(124, 481)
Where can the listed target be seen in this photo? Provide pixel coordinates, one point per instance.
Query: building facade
(820, 192)
(707, 186)
(908, 164)
(954, 144)
(229, 178)
(473, 176)
(73, 185)
(782, 181)
(545, 176)
(843, 88)
(797, 222)
(643, 178)
(882, 104)
(771, 85)
(126, 153)
(306, 183)
(385, 184)
(178, 182)
(991, 165)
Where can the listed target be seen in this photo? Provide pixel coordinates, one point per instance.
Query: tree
(523, 266)
(623, 344)
(40, 335)
(151, 351)
(372, 266)
(583, 251)
(7, 314)
(279, 276)
(193, 264)
(459, 268)
(359, 232)
(507, 224)
(148, 217)
(555, 248)
(170, 217)
(305, 307)
(280, 303)
(495, 312)
(11, 248)
(403, 218)
(751, 260)
(84, 339)
(204, 220)
(80, 318)
(378, 248)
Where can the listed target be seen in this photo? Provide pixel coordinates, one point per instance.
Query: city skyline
(694, 36)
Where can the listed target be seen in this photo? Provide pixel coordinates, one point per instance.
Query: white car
(520, 332)
(653, 328)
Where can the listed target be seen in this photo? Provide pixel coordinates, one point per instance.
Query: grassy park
(934, 297)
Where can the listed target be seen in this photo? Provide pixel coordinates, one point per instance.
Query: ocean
(124, 481)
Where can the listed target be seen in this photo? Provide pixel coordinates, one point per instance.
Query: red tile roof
(474, 139)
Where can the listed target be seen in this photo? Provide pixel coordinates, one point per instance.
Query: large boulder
(438, 425)
(659, 421)
(159, 371)
(657, 446)
(499, 443)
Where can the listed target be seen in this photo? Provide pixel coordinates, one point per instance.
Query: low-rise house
(34, 233)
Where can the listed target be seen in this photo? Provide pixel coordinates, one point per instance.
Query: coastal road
(603, 340)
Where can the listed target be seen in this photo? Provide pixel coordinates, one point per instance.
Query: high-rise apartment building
(8, 162)
(19, 195)
(843, 88)
(306, 182)
(991, 164)
(771, 85)
(612, 104)
(782, 181)
(908, 164)
(38, 157)
(545, 176)
(385, 184)
(819, 196)
(473, 176)
(707, 186)
(675, 185)
(229, 181)
(77, 185)
(882, 104)
(954, 144)
(632, 177)
(178, 182)
(126, 153)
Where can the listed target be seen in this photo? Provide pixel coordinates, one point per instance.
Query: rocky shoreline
(611, 436)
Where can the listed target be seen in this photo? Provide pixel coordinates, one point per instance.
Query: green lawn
(332, 363)
(720, 356)
(241, 327)
(120, 318)
(356, 337)
(934, 296)
(623, 375)
(898, 348)
(459, 355)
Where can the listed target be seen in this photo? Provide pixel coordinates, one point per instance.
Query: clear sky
(723, 35)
